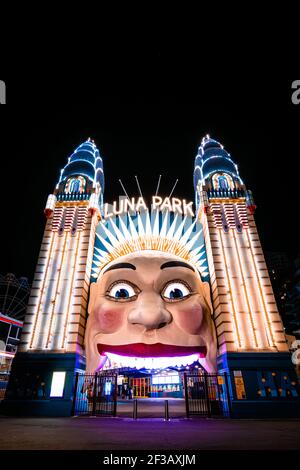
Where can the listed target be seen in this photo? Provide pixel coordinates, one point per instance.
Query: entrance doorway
(205, 394)
(141, 386)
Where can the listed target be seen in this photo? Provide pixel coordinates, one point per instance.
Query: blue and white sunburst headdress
(150, 230)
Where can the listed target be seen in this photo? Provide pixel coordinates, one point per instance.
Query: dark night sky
(147, 133)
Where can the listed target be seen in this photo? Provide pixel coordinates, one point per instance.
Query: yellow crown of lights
(175, 234)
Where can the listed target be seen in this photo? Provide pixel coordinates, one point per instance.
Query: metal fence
(95, 395)
(207, 395)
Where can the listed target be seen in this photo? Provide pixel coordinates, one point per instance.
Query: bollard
(167, 417)
(134, 409)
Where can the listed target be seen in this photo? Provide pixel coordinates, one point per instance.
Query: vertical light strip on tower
(247, 294)
(239, 332)
(47, 327)
(45, 291)
(61, 308)
(38, 287)
(236, 285)
(63, 281)
(70, 289)
(228, 208)
(250, 283)
(260, 295)
(75, 325)
(225, 310)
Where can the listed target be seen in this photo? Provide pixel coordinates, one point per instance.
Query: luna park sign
(123, 206)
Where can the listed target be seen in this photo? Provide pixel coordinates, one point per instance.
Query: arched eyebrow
(121, 266)
(175, 264)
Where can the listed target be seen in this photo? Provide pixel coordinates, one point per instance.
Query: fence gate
(95, 395)
(206, 395)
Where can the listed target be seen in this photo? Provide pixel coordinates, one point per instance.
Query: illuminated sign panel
(58, 384)
(165, 379)
(158, 203)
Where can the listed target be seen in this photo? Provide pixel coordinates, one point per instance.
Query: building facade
(77, 321)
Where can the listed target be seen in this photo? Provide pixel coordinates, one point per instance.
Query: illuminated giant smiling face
(149, 305)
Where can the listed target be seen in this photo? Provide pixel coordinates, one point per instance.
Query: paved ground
(152, 408)
(146, 434)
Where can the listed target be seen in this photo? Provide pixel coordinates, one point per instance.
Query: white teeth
(117, 361)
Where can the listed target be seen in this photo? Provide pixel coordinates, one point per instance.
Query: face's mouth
(150, 356)
(150, 350)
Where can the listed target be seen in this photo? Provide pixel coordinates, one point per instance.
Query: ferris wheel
(14, 295)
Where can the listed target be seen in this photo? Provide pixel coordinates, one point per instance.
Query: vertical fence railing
(167, 414)
(207, 395)
(95, 395)
(187, 406)
(115, 396)
(228, 395)
(75, 393)
(134, 414)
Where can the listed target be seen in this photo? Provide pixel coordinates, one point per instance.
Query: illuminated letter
(187, 208)
(156, 201)
(129, 204)
(106, 214)
(176, 204)
(166, 204)
(140, 203)
(120, 207)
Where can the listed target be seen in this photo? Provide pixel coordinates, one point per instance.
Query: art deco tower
(54, 327)
(252, 345)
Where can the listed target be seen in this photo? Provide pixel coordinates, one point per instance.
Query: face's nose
(150, 312)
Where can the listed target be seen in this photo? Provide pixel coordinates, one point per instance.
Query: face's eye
(121, 291)
(176, 290)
